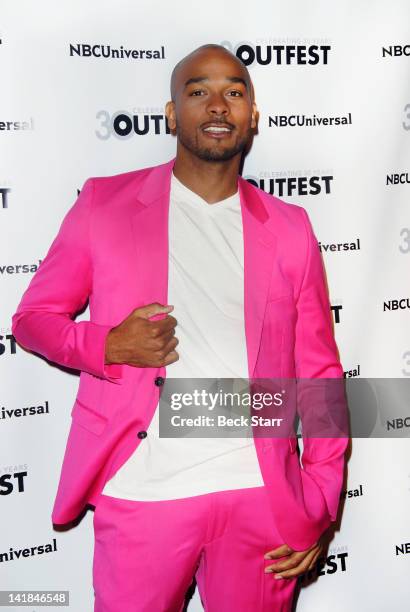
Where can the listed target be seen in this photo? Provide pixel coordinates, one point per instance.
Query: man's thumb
(154, 311)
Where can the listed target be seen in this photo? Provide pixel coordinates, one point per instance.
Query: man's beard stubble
(208, 153)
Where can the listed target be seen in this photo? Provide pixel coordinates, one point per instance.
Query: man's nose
(217, 105)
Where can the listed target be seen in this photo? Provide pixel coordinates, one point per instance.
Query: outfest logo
(4, 197)
(280, 53)
(292, 183)
(123, 124)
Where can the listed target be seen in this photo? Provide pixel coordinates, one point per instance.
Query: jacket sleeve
(58, 290)
(321, 398)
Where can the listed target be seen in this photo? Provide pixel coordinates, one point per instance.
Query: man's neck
(212, 181)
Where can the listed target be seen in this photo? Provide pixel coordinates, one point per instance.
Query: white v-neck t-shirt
(206, 287)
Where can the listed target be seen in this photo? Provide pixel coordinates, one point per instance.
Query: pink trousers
(146, 554)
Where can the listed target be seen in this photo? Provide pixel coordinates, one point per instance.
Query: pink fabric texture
(147, 553)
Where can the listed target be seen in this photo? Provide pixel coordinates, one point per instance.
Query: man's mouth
(217, 130)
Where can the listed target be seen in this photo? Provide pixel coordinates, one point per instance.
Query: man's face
(213, 112)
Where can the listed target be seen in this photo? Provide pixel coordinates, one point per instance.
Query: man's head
(212, 107)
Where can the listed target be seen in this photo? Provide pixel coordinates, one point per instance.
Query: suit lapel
(150, 232)
(259, 252)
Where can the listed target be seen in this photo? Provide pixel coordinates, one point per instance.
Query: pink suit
(112, 248)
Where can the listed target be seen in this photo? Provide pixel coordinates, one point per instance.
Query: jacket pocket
(88, 418)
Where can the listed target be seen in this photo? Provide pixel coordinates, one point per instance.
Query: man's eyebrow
(201, 79)
(238, 80)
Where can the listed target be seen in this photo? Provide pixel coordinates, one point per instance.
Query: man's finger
(165, 325)
(166, 336)
(314, 561)
(154, 309)
(171, 358)
(281, 551)
(170, 346)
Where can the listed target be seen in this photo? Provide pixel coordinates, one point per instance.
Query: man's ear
(255, 115)
(171, 115)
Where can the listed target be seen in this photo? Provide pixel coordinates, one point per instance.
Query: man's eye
(235, 93)
(196, 92)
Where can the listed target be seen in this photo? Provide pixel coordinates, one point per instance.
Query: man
(247, 289)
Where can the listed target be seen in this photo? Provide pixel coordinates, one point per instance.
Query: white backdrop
(349, 59)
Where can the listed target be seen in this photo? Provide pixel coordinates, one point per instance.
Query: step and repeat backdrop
(83, 90)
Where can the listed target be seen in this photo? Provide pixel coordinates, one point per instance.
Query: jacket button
(142, 434)
(159, 381)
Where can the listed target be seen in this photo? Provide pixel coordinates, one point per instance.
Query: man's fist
(141, 342)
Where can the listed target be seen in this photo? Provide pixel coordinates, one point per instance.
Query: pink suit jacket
(112, 249)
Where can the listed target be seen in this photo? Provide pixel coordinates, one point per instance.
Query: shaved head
(203, 50)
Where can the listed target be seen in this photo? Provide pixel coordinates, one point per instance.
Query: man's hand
(137, 341)
(296, 562)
